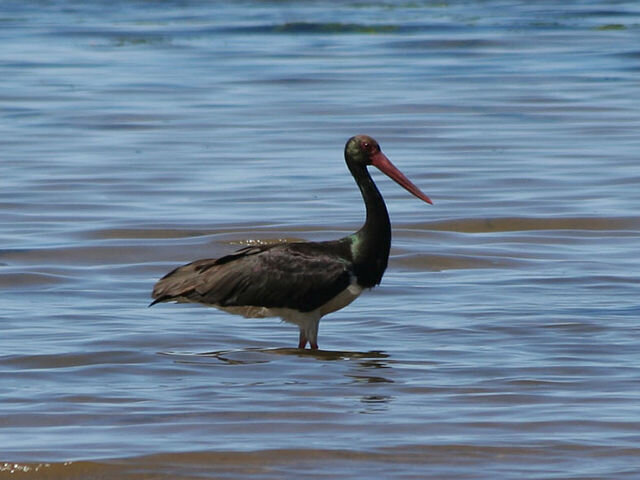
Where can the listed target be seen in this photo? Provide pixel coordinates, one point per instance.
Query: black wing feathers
(301, 276)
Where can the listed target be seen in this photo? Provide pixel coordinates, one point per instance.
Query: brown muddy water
(504, 339)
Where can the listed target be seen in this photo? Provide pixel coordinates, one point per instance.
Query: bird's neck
(370, 245)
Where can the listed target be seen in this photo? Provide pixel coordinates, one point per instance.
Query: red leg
(302, 343)
(314, 346)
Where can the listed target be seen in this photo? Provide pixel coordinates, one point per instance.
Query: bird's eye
(366, 145)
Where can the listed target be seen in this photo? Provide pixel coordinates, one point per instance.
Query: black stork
(299, 282)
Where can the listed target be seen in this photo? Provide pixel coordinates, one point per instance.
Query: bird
(300, 282)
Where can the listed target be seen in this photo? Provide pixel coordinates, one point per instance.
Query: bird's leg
(309, 332)
(302, 343)
(312, 334)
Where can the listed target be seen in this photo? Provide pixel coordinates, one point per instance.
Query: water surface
(503, 341)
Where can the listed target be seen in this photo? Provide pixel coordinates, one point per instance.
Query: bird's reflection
(371, 359)
(368, 372)
(375, 403)
(331, 354)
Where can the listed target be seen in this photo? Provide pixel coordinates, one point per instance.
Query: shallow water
(503, 341)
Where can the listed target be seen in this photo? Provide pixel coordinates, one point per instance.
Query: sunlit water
(504, 339)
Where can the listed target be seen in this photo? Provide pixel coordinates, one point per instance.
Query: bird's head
(362, 151)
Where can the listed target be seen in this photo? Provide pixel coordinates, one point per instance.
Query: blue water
(503, 340)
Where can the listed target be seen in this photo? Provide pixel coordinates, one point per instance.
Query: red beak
(382, 163)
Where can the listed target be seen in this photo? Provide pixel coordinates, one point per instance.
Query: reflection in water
(330, 354)
(368, 366)
(370, 374)
(375, 403)
(370, 379)
(259, 355)
(366, 370)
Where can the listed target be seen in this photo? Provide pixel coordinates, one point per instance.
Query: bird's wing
(299, 276)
